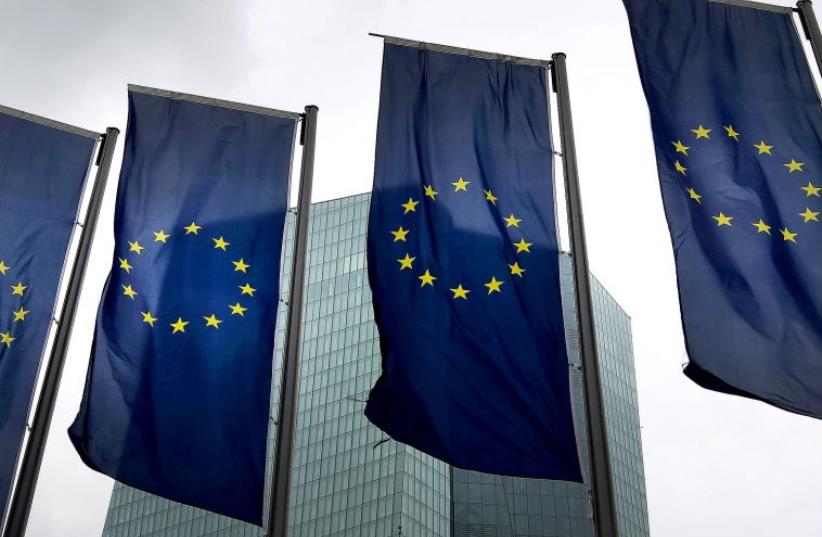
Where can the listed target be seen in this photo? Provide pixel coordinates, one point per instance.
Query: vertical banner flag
(43, 169)
(737, 126)
(177, 395)
(463, 265)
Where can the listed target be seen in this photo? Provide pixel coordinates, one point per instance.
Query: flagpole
(605, 516)
(286, 421)
(36, 445)
(811, 27)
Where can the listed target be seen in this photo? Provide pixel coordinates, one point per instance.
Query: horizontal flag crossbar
(463, 51)
(755, 5)
(49, 122)
(215, 102)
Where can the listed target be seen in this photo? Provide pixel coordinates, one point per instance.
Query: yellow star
(238, 309)
(161, 236)
(247, 290)
(762, 227)
(462, 184)
(680, 147)
(212, 321)
(221, 243)
(516, 270)
(18, 289)
(764, 149)
(490, 197)
(494, 286)
(400, 234)
(811, 190)
(410, 206)
(731, 132)
(523, 246)
(135, 247)
(179, 326)
(512, 221)
(723, 220)
(241, 266)
(787, 235)
(809, 215)
(6, 339)
(20, 315)
(125, 265)
(193, 228)
(3, 268)
(129, 291)
(694, 195)
(430, 192)
(405, 262)
(794, 166)
(148, 318)
(680, 168)
(427, 279)
(460, 292)
(701, 132)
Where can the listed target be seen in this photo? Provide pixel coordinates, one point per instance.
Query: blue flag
(737, 125)
(177, 395)
(463, 265)
(43, 168)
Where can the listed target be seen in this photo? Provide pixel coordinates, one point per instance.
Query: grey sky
(715, 464)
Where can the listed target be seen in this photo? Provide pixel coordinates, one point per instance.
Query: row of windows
(556, 506)
(357, 513)
(322, 253)
(524, 526)
(383, 527)
(340, 477)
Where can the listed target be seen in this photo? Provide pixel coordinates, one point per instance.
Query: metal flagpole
(281, 484)
(811, 27)
(36, 446)
(605, 516)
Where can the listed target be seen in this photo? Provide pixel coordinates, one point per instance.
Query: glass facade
(495, 506)
(351, 480)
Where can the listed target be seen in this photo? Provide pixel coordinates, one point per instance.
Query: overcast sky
(715, 464)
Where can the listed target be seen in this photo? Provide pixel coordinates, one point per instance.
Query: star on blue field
(11, 323)
(782, 228)
(455, 285)
(185, 320)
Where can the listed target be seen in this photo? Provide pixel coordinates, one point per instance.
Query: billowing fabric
(737, 126)
(42, 173)
(177, 395)
(463, 265)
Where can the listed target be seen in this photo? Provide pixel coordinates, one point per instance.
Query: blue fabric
(750, 290)
(480, 382)
(42, 172)
(182, 410)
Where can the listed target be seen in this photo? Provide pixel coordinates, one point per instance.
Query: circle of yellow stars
(426, 277)
(763, 150)
(18, 316)
(178, 326)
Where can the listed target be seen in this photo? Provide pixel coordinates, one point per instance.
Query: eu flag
(463, 265)
(177, 395)
(43, 167)
(737, 125)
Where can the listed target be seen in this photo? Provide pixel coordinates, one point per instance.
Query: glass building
(350, 480)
